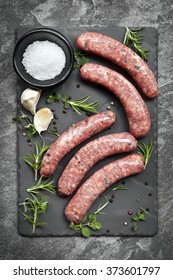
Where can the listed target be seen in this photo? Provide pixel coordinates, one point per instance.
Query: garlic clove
(42, 119)
(30, 98)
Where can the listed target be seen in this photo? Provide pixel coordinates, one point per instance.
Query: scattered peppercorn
(88, 114)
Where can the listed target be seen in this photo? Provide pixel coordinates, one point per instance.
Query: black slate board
(142, 188)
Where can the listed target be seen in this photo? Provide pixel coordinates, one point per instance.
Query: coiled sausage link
(72, 137)
(89, 155)
(99, 182)
(135, 107)
(122, 56)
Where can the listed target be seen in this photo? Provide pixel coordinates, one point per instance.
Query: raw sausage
(135, 107)
(72, 137)
(89, 155)
(122, 56)
(99, 182)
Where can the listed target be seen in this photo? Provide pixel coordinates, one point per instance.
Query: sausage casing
(72, 137)
(99, 182)
(122, 56)
(89, 155)
(135, 107)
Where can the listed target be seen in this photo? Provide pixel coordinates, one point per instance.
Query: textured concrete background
(14, 13)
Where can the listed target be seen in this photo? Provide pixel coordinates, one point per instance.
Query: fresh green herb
(77, 105)
(34, 160)
(53, 132)
(146, 151)
(101, 207)
(133, 40)
(119, 187)
(19, 119)
(53, 97)
(80, 59)
(140, 216)
(80, 104)
(46, 185)
(84, 227)
(31, 131)
(90, 221)
(35, 208)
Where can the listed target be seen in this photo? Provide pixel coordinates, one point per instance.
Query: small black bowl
(42, 34)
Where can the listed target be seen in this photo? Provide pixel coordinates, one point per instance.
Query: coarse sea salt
(44, 60)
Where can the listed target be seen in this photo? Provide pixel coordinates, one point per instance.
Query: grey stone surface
(16, 13)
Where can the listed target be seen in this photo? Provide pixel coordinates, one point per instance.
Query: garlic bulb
(42, 119)
(30, 98)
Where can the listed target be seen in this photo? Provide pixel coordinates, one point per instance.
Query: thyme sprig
(146, 151)
(133, 40)
(80, 59)
(19, 119)
(35, 208)
(46, 185)
(31, 130)
(34, 160)
(140, 216)
(77, 105)
(90, 221)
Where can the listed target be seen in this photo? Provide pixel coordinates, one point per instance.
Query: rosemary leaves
(133, 40)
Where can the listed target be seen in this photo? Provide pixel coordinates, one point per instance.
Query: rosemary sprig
(35, 208)
(31, 131)
(119, 187)
(46, 185)
(77, 105)
(90, 221)
(53, 132)
(34, 160)
(80, 104)
(133, 40)
(146, 151)
(80, 59)
(101, 207)
(140, 216)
